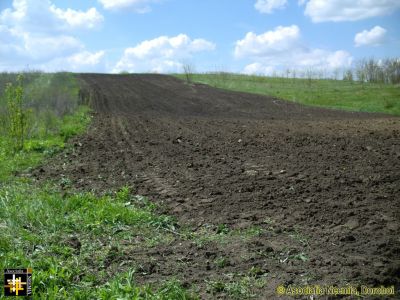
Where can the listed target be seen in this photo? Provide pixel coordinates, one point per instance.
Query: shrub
(17, 115)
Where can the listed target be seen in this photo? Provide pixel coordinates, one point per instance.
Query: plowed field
(321, 188)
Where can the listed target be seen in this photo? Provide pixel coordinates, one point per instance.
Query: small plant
(123, 194)
(188, 70)
(222, 229)
(17, 122)
(221, 262)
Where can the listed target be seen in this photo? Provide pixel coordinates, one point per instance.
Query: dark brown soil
(323, 185)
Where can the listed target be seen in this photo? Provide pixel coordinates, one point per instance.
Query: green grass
(237, 286)
(339, 94)
(220, 234)
(76, 243)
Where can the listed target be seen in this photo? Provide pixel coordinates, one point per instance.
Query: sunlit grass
(339, 94)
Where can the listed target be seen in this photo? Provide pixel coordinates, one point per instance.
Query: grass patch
(339, 94)
(237, 286)
(76, 244)
(221, 234)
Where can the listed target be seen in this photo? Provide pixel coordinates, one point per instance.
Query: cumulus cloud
(348, 10)
(86, 58)
(268, 6)
(80, 61)
(374, 37)
(36, 32)
(162, 54)
(79, 19)
(42, 15)
(280, 40)
(282, 48)
(139, 6)
(42, 47)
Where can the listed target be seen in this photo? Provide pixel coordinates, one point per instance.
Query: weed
(292, 254)
(257, 271)
(188, 70)
(301, 238)
(222, 229)
(235, 289)
(221, 262)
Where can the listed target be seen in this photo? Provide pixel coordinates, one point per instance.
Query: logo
(18, 282)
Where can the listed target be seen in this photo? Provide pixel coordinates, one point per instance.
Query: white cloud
(86, 58)
(80, 61)
(348, 10)
(79, 19)
(374, 37)
(139, 6)
(258, 68)
(36, 32)
(42, 15)
(9, 41)
(162, 54)
(282, 48)
(268, 6)
(322, 59)
(42, 47)
(275, 41)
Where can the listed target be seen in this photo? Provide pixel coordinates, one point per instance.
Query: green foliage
(17, 115)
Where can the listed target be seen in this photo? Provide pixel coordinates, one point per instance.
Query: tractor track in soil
(325, 183)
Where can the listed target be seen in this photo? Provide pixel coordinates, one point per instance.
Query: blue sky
(249, 36)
